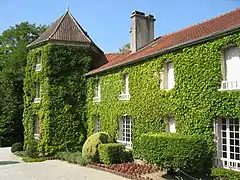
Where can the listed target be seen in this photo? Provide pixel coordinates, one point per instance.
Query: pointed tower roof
(67, 30)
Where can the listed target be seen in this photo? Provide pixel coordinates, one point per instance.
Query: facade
(185, 82)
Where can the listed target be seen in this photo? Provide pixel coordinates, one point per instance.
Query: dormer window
(125, 91)
(97, 91)
(38, 66)
(38, 93)
(167, 79)
(230, 69)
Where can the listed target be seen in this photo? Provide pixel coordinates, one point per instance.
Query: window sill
(124, 97)
(36, 136)
(96, 99)
(127, 144)
(230, 86)
(38, 67)
(37, 100)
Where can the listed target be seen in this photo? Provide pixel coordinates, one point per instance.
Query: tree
(125, 47)
(13, 57)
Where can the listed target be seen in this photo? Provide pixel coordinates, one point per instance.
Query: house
(186, 81)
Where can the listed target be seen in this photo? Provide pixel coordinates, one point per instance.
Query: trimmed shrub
(225, 174)
(127, 156)
(36, 159)
(18, 146)
(111, 153)
(90, 147)
(173, 151)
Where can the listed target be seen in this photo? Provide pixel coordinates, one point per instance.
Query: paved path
(48, 170)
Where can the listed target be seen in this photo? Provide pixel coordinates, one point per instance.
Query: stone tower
(55, 86)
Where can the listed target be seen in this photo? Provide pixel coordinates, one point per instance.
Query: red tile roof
(193, 33)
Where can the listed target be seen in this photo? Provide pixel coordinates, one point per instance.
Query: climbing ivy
(63, 97)
(194, 101)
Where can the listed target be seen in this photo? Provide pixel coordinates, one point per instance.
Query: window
(168, 81)
(39, 63)
(97, 124)
(97, 91)
(125, 92)
(37, 95)
(36, 127)
(171, 125)
(228, 148)
(125, 129)
(230, 69)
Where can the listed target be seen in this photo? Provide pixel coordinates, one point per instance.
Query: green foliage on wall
(194, 101)
(63, 97)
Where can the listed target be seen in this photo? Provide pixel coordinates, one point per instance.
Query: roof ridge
(193, 25)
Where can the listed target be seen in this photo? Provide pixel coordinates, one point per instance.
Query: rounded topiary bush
(90, 147)
(18, 146)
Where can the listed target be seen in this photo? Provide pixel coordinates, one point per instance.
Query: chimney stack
(142, 30)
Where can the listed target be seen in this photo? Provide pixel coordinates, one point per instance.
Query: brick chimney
(142, 30)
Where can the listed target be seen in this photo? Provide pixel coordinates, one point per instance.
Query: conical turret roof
(65, 29)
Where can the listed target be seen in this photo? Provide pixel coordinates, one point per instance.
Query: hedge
(91, 146)
(111, 153)
(173, 151)
(225, 174)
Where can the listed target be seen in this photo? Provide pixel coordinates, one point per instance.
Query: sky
(108, 21)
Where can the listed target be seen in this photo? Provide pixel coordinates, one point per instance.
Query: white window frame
(97, 124)
(36, 127)
(97, 91)
(227, 134)
(38, 66)
(125, 130)
(170, 124)
(229, 84)
(125, 95)
(37, 98)
(165, 76)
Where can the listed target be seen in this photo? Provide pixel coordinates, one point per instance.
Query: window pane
(224, 155)
(170, 75)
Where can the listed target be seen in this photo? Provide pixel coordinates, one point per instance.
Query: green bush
(20, 153)
(225, 174)
(114, 153)
(111, 153)
(127, 156)
(173, 151)
(90, 147)
(75, 157)
(18, 146)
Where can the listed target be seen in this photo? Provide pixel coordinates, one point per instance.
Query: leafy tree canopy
(125, 47)
(13, 55)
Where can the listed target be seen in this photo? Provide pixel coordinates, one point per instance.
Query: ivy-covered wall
(63, 97)
(194, 101)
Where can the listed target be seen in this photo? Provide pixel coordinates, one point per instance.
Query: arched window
(36, 126)
(125, 129)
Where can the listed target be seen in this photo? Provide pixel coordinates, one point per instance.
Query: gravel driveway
(47, 170)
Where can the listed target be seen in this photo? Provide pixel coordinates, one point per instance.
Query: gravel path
(48, 170)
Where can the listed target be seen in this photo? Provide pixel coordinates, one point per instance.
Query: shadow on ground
(8, 162)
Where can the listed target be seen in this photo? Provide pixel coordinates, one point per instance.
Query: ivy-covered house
(186, 81)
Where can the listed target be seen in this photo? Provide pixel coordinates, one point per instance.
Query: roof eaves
(182, 45)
